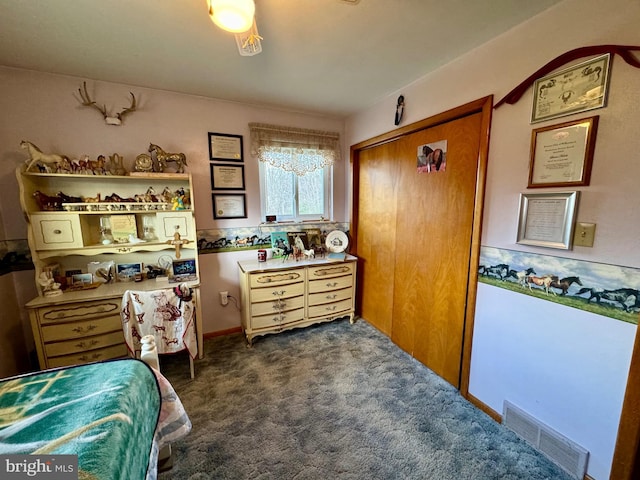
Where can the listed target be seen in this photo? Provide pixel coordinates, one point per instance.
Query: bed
(114, 415)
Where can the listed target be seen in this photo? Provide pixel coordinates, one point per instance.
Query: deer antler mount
(109, 119)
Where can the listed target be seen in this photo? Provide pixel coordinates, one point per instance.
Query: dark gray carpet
(334, 401)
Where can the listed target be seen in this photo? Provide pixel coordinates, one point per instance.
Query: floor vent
(568, 455)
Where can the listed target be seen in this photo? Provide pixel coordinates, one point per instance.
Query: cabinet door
(168, 221)
(51, 231)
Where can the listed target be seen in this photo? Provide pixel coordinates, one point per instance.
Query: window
(296, 170)
(292, 197)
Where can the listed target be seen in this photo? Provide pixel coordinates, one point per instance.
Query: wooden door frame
(626, 455)
(484, 107)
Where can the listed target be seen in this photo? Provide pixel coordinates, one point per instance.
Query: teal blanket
(106, 413)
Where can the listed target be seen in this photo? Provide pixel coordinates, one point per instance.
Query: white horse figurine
(308, 254)
(36, 155)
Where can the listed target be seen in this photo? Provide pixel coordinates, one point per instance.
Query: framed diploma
(562, 155)
(225, 147)
(576, 89)
(227, 177)
(229, 205)
(547, 219)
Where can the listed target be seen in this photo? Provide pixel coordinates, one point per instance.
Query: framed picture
(547, 219)
(82, 279)
(229, 205)
(576, 89)
(126, 272)
(562, 155)
(225, 147)
(227, 177)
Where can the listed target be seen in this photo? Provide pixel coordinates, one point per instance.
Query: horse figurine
(163, 157)
(45, 159)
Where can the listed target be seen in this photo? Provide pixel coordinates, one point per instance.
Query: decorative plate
(337, 241)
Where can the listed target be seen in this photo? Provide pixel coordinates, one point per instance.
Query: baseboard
(485, 408)
(220, 333)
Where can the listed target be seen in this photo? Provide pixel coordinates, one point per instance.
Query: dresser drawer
(330, 270)
(280, 292)
(277, 319)
(76, 311)
(330, 296)
(258, 280)
(80, 329)
(51, 232)
(332, 283)
(275, 306)
(331, 309)
(83, 344)
(116, 351)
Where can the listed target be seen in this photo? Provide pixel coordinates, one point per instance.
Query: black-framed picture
(227, 177)
(229, 205)
(225, 147)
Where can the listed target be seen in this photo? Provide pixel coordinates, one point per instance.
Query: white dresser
(279, 295)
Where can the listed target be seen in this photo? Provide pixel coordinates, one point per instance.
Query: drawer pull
(332, 284)
(124, 249)
(84, 330)
(331, 297)
(328, 271)
(281, 292)
(57, 232)
(94, 356)
(85, 345)
(331, 308)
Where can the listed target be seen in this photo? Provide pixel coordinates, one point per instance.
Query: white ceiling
(324, 56)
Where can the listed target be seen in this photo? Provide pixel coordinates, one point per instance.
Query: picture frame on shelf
(229, 205)
(573, 90)
(227, 177)
(562, 154)
(126, 272)
(547, 219)
(225, 147)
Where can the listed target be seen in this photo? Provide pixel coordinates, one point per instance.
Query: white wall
(41, 108)
(564, 366)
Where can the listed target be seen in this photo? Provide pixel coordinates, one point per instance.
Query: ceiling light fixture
(235, 16)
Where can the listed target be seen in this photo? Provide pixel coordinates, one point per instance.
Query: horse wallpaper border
(609, 290)
(251, 238)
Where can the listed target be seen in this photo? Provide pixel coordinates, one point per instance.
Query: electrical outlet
(224, 298)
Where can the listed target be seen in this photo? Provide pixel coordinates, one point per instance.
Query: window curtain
(296, 150)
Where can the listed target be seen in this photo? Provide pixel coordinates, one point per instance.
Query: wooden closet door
(433, 245)
(415, 236)
(376, 233)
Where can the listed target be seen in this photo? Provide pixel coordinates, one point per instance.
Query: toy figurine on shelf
(49, 286)
(178, 201)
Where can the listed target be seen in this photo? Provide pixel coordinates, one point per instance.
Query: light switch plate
(584, 234)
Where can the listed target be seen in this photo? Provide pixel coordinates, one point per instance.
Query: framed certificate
(229, 205)
(225, 147)
(562, 155)
(547, 219)
(227, 177)
(576, 89)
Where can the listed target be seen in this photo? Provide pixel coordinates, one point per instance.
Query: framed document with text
(227, 177)
(562, 155)
(547, 219)
(576, 89)
(229, 205)
(225, 147)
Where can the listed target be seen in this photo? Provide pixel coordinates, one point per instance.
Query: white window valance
(296, 150)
